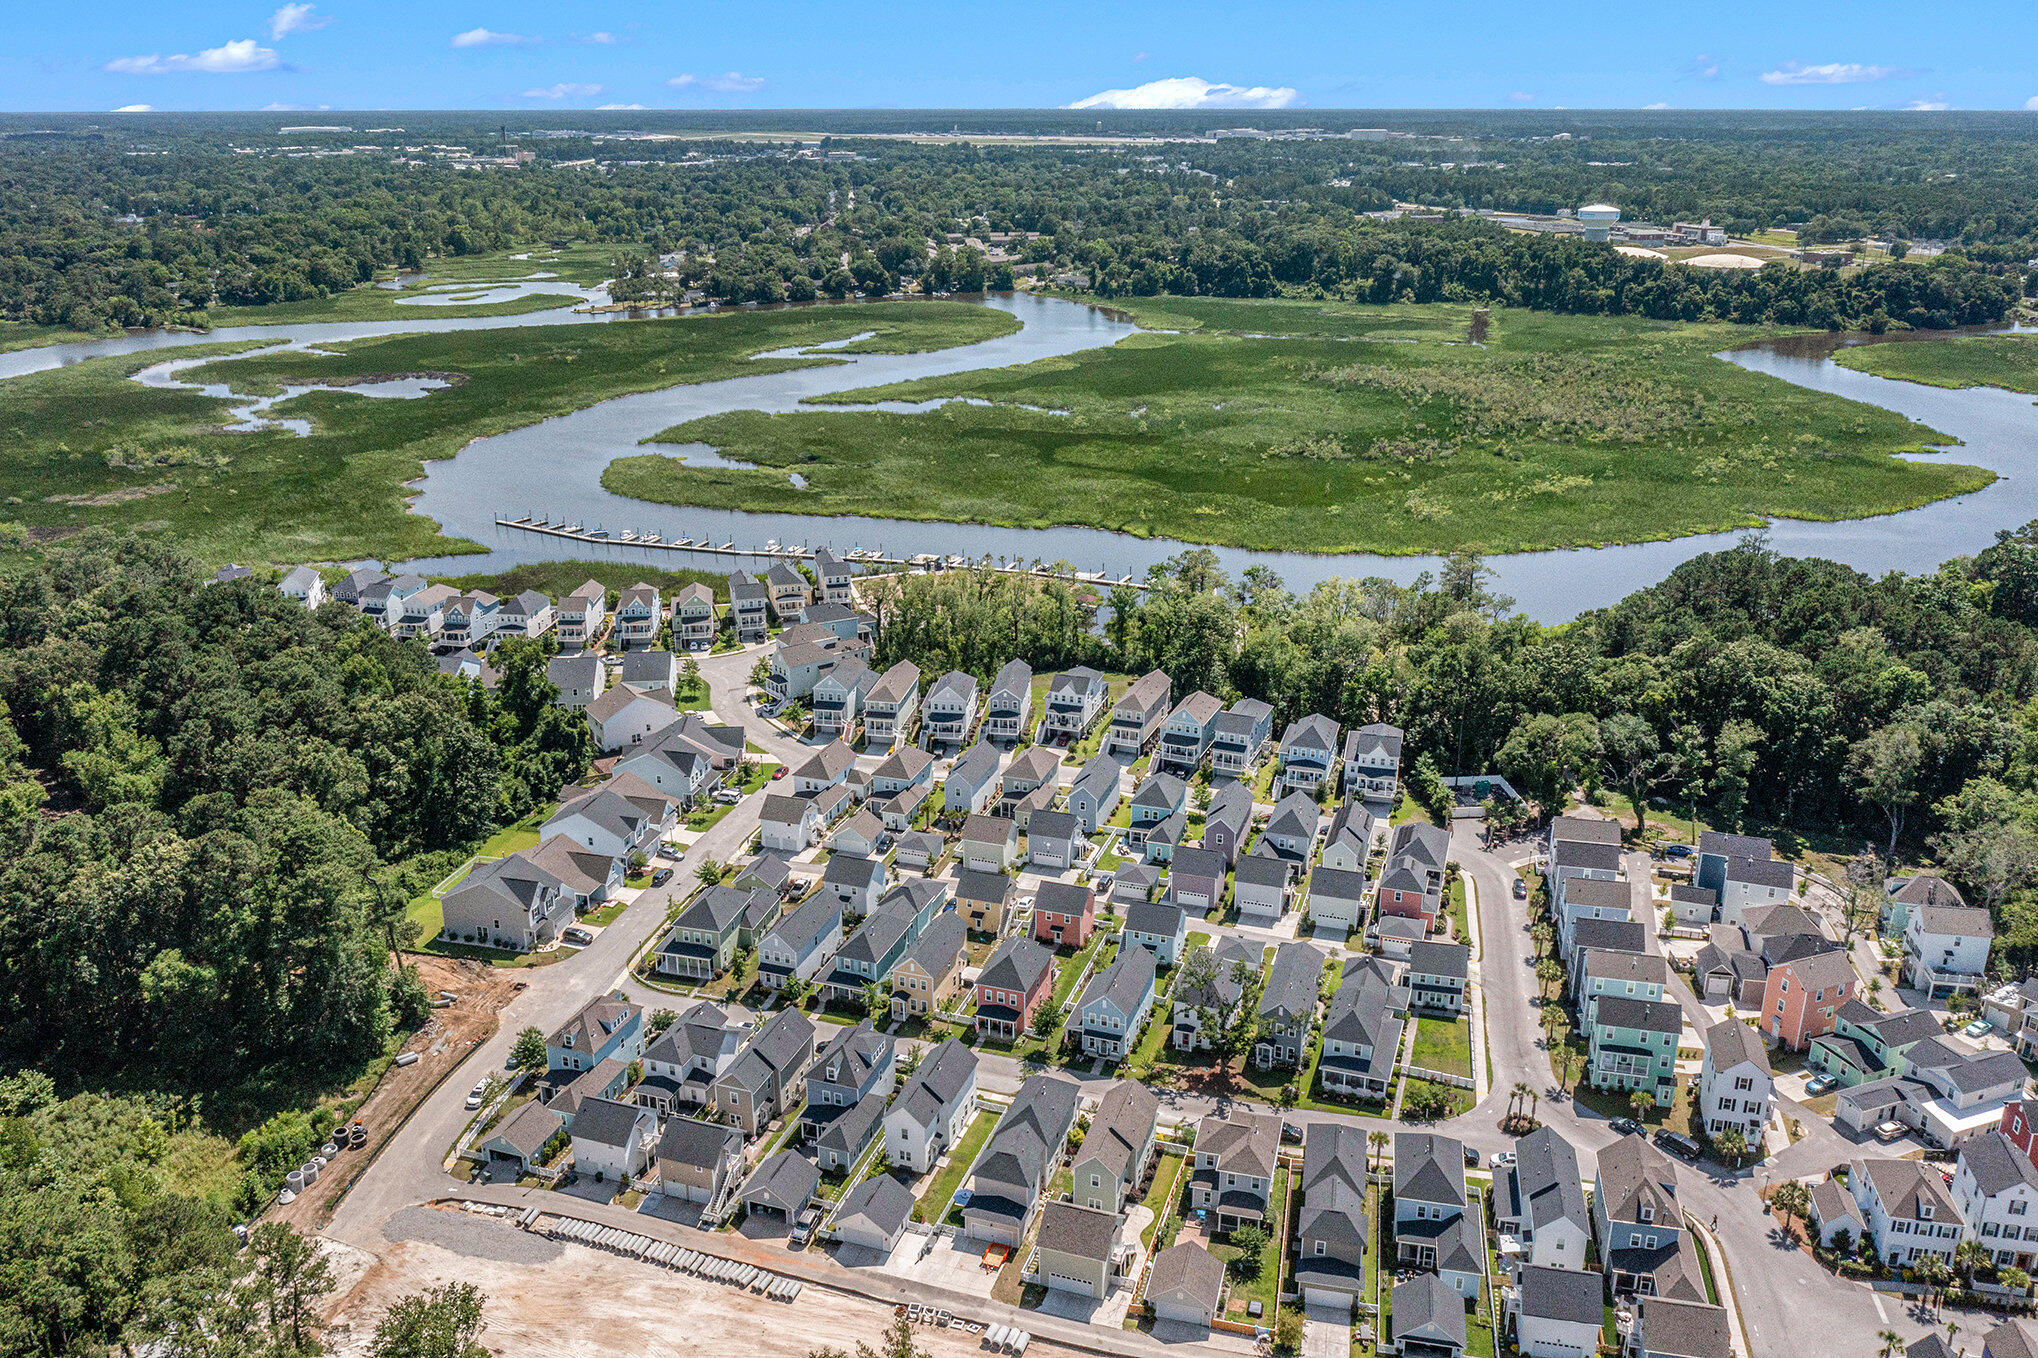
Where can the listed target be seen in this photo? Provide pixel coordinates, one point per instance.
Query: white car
(728, 796)
(474, 1094)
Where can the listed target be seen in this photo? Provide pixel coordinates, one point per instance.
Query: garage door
(1326, 1296)
(1068, 1283)
(1199, 899)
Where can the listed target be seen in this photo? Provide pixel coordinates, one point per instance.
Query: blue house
(608, 1027)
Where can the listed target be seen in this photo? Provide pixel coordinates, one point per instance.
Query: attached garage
(873, 1214)
(519, 1141)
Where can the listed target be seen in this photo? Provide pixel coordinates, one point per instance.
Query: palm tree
(1931, 1270)
(1970, 1255)
(1376, 1144)
(1792, 1199)
(1731, 1144)
(1549, 977)
(1892, 1344)
(1952, 1328)
(1535, 1101)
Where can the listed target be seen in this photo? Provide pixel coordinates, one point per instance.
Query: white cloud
(1522, 97)
(485, 37)
(1931, 103)
(602, 37)
(728, 82)
(2032, 103)
(135, 108)
(293, 108)
(1139, 56)
(617, 107)
(1829, 73)
(1704, 67)
(565, 89)
(1659, 104)
(229, 59)
(1187, 91)
(294, 18)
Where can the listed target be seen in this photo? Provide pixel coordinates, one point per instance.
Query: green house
(1634, 1046)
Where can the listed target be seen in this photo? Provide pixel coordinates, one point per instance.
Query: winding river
(554, 467)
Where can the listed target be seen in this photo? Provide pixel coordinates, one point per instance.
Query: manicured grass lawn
(2007, 361)
(1160, 1194)
(158, 456)
(1560, 431)
(510, 839)
(1444, 1045)
(1712, 1291)
(1461, 929)
(933, 1202)
(1460, 1098)
(1263, 1288)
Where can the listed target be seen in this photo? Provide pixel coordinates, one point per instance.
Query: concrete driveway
(1327, 1331)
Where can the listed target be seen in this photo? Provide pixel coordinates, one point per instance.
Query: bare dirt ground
(441, 1044)
(581, 1303)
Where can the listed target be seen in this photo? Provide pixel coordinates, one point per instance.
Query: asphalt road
(1786, 1302)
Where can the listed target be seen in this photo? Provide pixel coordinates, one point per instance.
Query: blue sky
(365, 54)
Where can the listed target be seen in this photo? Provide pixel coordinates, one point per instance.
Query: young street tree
(528, 1055)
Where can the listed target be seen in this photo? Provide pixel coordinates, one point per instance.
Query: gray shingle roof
(1124, 983)
(1264, 872)
(1646, 1016)
(1083, 1232)
(1292, 981)
(1156, 918)
(1425, 1307)
(606, 1122)
(879, 1204)
(1731, 1042)
(787, 1181)
(701, 1145)
(1016, 964)
(1544, 1181)
(1429, 1168)
(1684, 1329)
(1441, 959)
(1187, 1273)
(1123, 1125)
(1562, 1294)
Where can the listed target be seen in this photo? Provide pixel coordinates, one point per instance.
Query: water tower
(1598, 219)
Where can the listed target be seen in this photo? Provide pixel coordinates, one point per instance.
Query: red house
(1017, 978)
(1801, 997)
(2017, 1125)
(1403, 892)
(1064, 914)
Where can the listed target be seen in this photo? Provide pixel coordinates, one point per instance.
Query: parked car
(1888, 1131)
(1978, 1028)
(1502, 1159)
(1625, 1126)
(1678, 851)
(661, 877)
(1471, 1158)
(1819, 1084)
(576, 934)
(474, 1094)
(1520, 889)
(1291, 1134)
(672, 851)
(1677, 1143)
(728, 796)
(778, 773)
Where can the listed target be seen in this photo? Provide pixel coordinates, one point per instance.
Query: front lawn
(1444, 1045)
(933, 1203)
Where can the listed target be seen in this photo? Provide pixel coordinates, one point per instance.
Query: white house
(789, 824)
(927, 1118)
(1735, 1087)
(612, 1140)
(305, 585)
(1557, 1312)
(1540, 1200)
(627, 716)
(1909, 1211)
(1996, 1189)
(1946, 948)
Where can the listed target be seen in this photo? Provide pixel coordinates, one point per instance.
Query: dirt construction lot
(448, 1035)
(566, 1301)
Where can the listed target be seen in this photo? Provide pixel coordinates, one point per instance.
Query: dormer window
(1648, 1212)
(1924, 1211)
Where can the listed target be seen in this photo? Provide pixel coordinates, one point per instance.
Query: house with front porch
(929, 976)
(1161, 795)
(1015, 980)
(801, 942)
(529, 614)
(682, 1064)
(1064, 913)
(1362, 1033)
(1735, 1083)
(791, 592)
(972, 783)
(1639, 1227)
(1239, 738)
(1995, 1187)
(890, 706)
(1009, 1180)
(1115, 1005)
(1331, 1229)
(838, 581)
(1909, 1211)
(1094, 795)
(1372, 763)
(1204, 1003)
(1116, 1150)
(1633, 1047)
(760, 1083)
(703, 940)
(1008, 707)
(1431, 1232)
(1308, 754)
(1075, 699)
(640, 617)
(1186, 734)
(1946, 949)
(583, 614)
(749, 607)
(693, 618)
(1227, 822)
(949, 713)
(837, 702)
(1287, 1006)
(470, 618)
(1137, 716)
(1232, 1166)
(521, 902)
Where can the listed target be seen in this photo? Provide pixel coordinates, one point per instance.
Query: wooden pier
(868, 558)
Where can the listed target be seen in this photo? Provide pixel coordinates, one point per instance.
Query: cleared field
(83, 445)
(2006, 361)
(1331, 427)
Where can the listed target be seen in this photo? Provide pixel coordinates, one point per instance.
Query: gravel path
(475, 1236)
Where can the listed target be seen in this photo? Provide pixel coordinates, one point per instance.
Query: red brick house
(1064, 914)
(1016, 980)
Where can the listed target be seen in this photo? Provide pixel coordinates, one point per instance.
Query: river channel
(553, 468)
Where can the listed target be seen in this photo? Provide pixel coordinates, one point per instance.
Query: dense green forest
(1796, 695)
(163, 218)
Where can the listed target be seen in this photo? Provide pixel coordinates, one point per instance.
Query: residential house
(1079, 1250)
(683, 1063)
(517, 1145)
(782, 1186)
(612, 1140)
(982, 898)
(1094, 794)
(1161, 840)
(801, 942)
(863, 835)
(868, 956)
(1113, 1158)
(1633, 1046)
(1185, 1285)
(1802, 997)
(1566, 857)
(702, 941)
(1064, 914)
(791, 592)
(1833, 1213)
(1337, 899)
(304, 584)
(423, 614)
(1115, 1004)
(1946, 949)
(838, 698)
(1908, 1208)
(890, 706)
(1430, 1228)
(1348, 843)
(522, 902)
(583, 614)
(856, 883)
(382, 602)
(755, 1088)
(1725, 971)
(1668, 1328)
(1015, 980)
(1010, 1178)
(1259, 888)
(1239, 738)
(640, 616)
(1637, 976)
(1372, 763)
(989, 843)
(1187, 733)
(1744, 870)
(1591, 898)
(350, 588)
(798, 663)
(1332, 1229)
(687, 758)
(1232, 1167)
(1158, 927)
(1428, 1317)
(1735, 1083)
(838, 582)
(1640, 1230)
(1362, 1032)
(1030, 770)
(1287, 1006)
(873, 1214)
(650, 669)
(697, 1161)
(749, 607)
(1075, 699)
(909, 766)
(1290, 833)
(949, 713)
(1540, 1200)
(972, 782)
(1437, 976)
(626, 716)
(1412, 878)
(606, 1079)
(933, 1106)
(1161, 795)
(1137, 716)
(527, 615)
(930, 974)
(1995, 1186)
(1008, 707)
(789, 824)
(1901, 895)
(1901, 1067)
(1055, 841)
(693, 618)
(1557, 1312)
(1228, 821)
(857, 1063)
(1133, 882)
(1868, 1044)
(1308, 754)
(609, 1028)
(1196, 879)
(828, 766)
(1395, 937)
